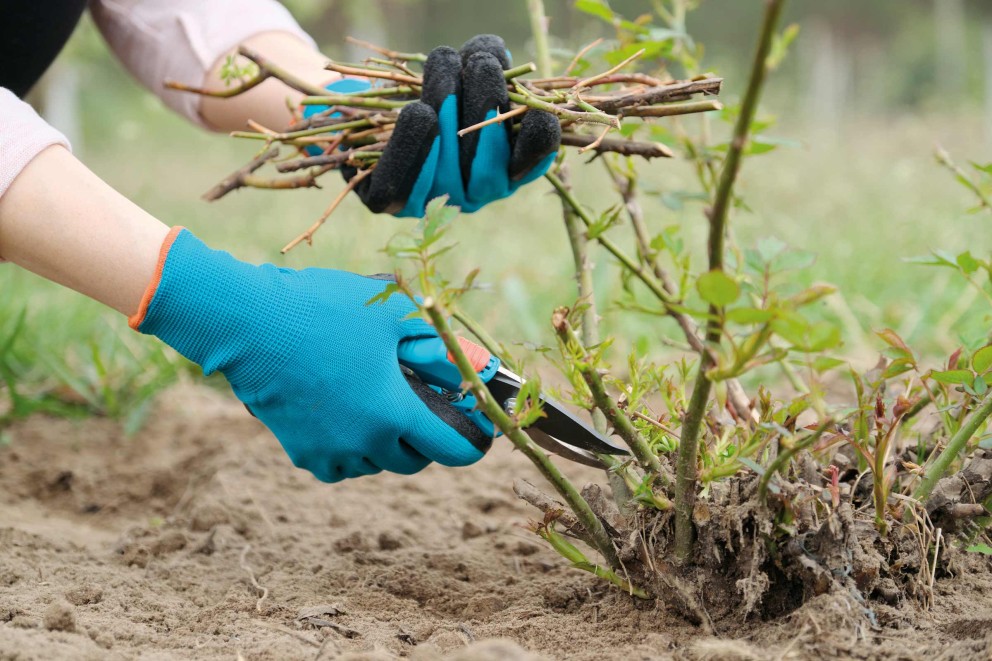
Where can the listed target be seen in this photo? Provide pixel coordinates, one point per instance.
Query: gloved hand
(426, 158)
(309, 358)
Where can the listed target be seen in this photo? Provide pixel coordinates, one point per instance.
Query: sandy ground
(198, 539)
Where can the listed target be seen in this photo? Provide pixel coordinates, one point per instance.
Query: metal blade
(552, 444)
(558, 422)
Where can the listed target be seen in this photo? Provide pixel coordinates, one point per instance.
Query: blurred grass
(862, 201)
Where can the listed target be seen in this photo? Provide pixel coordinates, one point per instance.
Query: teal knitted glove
(309, 357)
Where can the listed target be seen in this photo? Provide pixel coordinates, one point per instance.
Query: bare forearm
(268, 104)
(61, 221)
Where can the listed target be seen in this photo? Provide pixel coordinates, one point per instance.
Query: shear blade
(564, 450)
(560, 424)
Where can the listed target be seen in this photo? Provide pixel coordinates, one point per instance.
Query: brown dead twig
(355, 128)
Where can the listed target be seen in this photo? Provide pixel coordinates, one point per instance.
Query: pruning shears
(557, 430)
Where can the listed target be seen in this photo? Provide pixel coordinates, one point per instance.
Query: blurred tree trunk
(57, 98)
(952, 58)
(987, 50)
(829, 64)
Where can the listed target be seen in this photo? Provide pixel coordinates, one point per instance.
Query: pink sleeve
(23, 134)
(182, 40)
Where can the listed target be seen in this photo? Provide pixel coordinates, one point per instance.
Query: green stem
(620, 422)
(686, 469)
(786, 455)
(628, 262)
(539, 29)
(562, 112)
(943, 462)
(592, 524)
(481, 334)
(326, 99)
(583, 280)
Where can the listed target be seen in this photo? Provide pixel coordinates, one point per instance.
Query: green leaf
(383, 296)
(897, 367)
(987, 168)
(597, 8)
(753, 465)
(892, 338)
(749, 315)
(967, 262)
(780, 46)
(979, 386)
(825, 363)
(718, 288)
(954, 377)
(812, 295)
(984, 549)
(982, 360)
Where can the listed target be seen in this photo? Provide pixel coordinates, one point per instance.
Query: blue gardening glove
(309, 358)
(425, 157)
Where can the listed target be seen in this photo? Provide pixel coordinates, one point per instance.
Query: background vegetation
(852, 182)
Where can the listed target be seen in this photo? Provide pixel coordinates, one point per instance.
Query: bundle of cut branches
(355, 128)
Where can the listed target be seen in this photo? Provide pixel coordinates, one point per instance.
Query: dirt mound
(197, 538)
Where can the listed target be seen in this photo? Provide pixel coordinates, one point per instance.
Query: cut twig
(308, 235)
(646, 150)
(578, 56)
(345, 70)
(335, 159)
(673, 109)
(498, 119)
(237, 178)
(391, 54)
(593, 79)
(542, 501)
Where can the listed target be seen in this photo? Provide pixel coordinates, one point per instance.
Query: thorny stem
(509, 426)
(686, 469)
(674, 109)
(325, 99)
(664, 290)
(264, 65)
(943, 462)
(601, 398)
(236, 179)
(629, 263)
(539, 29)
(391, 54)
(483, 336)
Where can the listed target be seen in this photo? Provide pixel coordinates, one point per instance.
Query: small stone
(104, 639)
(526, 548)
(207, 515)
(84, 594)
(60, 616)
(351, 543)
(24, 622)
(470, 530)
(169, 542)
(389, 542)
